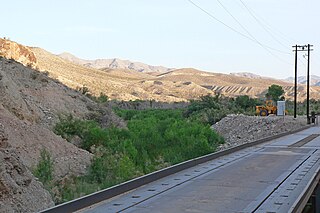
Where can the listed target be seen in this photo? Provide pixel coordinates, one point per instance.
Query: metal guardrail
(89, 200)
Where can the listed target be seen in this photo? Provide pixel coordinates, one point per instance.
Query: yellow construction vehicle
(266, 110)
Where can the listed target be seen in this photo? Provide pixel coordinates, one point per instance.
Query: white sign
(281, 107)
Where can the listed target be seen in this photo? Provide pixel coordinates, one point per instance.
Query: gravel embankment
(240, 129)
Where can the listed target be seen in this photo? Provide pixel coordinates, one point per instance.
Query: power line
(234, 18)
(247, 31)
(221, 22)
(240, 33)
(261, 24)
(244, 28)
(265, 25)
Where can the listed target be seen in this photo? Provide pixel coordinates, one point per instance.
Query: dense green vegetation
(154, 139)
(210, 109)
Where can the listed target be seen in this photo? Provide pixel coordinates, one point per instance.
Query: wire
(240, 33)
(265, 26)
(221, 22)
(247, 31)
(261, 24)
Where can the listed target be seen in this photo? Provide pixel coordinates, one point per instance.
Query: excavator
(265, 110)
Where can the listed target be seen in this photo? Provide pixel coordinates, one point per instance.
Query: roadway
(270, 177)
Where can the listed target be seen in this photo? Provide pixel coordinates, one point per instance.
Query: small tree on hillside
(275, 92)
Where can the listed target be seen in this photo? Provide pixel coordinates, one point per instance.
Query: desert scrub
(153, 140)
(68, 127)
(210, 109)
(44, 169)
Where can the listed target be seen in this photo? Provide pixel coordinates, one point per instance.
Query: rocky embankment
(240, 129)
(20, 191)
(30, 105)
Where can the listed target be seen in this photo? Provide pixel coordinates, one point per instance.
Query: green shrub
(44, 168)
(102, 98)
(68, 127)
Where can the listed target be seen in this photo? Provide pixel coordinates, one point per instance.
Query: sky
(210, 35)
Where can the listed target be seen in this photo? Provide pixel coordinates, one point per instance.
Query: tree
(243, 101)
(274, 92)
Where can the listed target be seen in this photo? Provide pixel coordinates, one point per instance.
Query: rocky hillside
(17, 52)
(30, 104)
(114, 63)
(19, 189)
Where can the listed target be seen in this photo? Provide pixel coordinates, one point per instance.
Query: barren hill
(233, 85)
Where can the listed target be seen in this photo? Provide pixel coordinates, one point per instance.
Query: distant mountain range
(114, 63)
(249, 75)
(314, 80)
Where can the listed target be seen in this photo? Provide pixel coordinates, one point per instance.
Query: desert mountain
(314, 80)
(114, 63)
(249, 75)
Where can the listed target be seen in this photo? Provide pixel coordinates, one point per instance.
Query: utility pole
(295, 80)
(301, 48)
(308, 83)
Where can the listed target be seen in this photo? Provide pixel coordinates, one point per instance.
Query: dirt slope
(30, 103)
(19, 189)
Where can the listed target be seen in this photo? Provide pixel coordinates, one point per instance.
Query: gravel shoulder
(241, 129)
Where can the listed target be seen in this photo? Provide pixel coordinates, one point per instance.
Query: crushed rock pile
(241, 129)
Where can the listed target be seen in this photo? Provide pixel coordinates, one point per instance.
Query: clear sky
(172, 33)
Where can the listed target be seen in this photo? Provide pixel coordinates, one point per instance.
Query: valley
(40, 90)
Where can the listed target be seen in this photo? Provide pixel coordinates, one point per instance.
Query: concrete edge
(302, 200)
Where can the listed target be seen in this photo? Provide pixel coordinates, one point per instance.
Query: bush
(102, 98)
(84, 90)
(68, 127)
(44, 168)
(211, 109)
